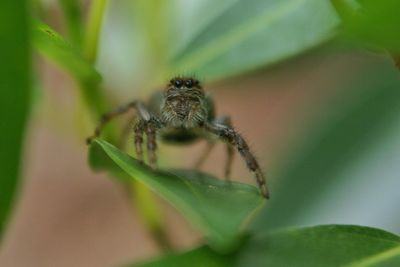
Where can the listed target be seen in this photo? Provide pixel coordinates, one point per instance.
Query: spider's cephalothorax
(183, 104)
(183, 113)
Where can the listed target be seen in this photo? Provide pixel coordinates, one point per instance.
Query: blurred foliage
(53, 46)
(330, 245)
(251, 34)
(93, 28)
(15, 97)
(199, 257)
(218, 209)
(352, 122)
(73, 20)
(372, 23)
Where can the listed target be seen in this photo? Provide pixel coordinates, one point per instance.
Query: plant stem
(91, 92)
(93, 26)
(72, 16)
(150, 213)
(142, 197)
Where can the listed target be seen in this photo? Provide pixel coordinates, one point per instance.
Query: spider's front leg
(105, 118)
(151, 128)
(229, 135)
(224, 120)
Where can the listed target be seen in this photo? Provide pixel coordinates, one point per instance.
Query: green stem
(91, 91)
(72, 16)
(143, 199)
(95, 19)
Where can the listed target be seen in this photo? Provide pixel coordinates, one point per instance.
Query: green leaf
(15, 97)
(53, 46)
(371, 22)
(200, 257)
(330, 245)
(251, 34)
(219, 209)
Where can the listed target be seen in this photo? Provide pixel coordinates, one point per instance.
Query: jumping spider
(180, 114)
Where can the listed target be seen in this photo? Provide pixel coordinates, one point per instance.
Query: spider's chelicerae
(180, 114)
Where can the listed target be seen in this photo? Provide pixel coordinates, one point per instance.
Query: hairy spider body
(183, 113)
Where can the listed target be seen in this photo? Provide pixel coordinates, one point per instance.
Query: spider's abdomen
(179, 136)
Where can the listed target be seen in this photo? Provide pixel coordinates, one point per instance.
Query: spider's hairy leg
(105, 118)
(204, 155)
(151, 144)
(226, 120)
(138, 130)
(229, 135)
(229, 160)
(126, 131)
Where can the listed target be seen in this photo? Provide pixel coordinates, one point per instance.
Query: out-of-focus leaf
(375, 23)
(53, 46)
(200, 257)
(73, 21)
(93, 29)
(330, 245)
(219, 209)
(353, 121)
(15, 94)
(255, 33)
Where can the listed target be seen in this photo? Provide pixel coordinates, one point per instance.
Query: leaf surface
(217, 208)
(328, 245)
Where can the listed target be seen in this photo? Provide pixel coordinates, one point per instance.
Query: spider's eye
(189, 83)
(178, 83)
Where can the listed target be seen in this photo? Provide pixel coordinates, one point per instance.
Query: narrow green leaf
(255, 33)
(219, 209)
(53, 46)
(15, 97)
(330, 245)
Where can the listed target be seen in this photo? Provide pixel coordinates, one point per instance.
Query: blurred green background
(311, 84)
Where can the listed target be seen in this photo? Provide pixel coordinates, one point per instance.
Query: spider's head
(184, 104)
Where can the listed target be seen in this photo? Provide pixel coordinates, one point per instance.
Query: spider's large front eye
(189, 83)
(178, 83)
